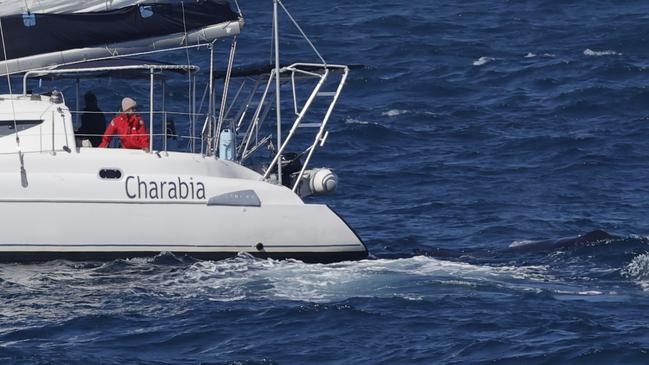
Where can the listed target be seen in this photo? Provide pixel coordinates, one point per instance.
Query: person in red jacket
(129, 126)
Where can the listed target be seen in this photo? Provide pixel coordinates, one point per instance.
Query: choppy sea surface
(473, 126)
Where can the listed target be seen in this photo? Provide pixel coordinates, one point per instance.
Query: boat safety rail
(322, 134)
(152, 68)
(293, 71)
(152, 71)
(163, 121)
(58, 139)
(291, 74)
(143, 112)
(135, 135)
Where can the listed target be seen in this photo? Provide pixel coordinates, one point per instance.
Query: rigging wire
(182, 5)
(189, 73)
(236, 2)
(301, 31)
(272, 44)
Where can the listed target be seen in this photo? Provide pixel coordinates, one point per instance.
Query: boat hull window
(8, 127)
(111, 174)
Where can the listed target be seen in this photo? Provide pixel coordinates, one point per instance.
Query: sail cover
(34, 40)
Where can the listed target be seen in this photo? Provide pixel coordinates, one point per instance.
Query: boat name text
(180, 189)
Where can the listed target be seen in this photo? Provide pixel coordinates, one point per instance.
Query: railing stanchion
(53, 124)
(164, 116)
(151, 111)
(192, 133)
(77, 100)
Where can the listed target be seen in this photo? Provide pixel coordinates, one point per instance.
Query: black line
(165, 245)
(308, 257)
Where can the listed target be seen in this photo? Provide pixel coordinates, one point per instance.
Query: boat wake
(606, 268)
(248, 278)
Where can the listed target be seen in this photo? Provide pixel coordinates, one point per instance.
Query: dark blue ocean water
(473, 125)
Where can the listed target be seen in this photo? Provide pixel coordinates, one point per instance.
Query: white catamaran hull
(65, 206)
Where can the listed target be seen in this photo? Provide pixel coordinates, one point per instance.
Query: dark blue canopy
(33, 34)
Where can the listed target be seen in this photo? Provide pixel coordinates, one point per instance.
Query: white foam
(355, 121)
(520, 243)
(608, 52)
(638, 271)
(246, 277)
(638, 267)
(590, 292)
(482, 61)
(532, 55)
(397, 112)
(394, 112)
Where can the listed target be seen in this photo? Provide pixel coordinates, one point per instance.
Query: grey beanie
(128, 103)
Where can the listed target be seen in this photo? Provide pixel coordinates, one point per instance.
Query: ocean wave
(608, 52)
(532, 55)
(394, 112)
(398, 112)
(483, 61)
(520, 243)
(358, 121)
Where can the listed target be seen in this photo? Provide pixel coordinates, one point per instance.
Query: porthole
(111, 174)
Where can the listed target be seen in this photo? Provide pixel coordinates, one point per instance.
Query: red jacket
(130, 129)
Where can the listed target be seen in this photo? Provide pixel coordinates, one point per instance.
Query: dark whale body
(528, 247)
(561, 243)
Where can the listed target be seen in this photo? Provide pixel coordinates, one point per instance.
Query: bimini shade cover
(39, 33)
